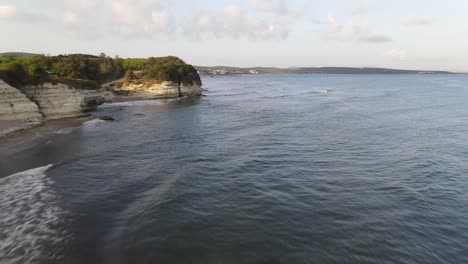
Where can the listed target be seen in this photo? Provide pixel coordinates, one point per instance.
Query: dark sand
(33, 134)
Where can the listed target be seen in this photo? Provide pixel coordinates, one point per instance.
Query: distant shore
(226, 70)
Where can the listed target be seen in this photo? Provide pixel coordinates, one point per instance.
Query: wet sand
(35, 134)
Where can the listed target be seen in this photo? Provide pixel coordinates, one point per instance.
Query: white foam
(93, 122)
(324, 91)
(65, 131)
(28, 214)
(136, 103)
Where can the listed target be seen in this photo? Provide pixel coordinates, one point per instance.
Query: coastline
(18, 135)
(27, 137)
(11, 127)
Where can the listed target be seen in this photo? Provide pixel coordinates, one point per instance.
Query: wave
(315, 92)
(28, 214)
(138, 103)
(93, 122)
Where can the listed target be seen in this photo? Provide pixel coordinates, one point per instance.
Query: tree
(129, 75)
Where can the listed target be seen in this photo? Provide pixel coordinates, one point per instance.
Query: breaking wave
(137, 103)
(29, 217)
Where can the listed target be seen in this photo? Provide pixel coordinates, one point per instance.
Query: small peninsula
(37, 88)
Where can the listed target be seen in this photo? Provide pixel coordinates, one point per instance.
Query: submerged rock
(107, 118)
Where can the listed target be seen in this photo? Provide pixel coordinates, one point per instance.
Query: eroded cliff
(155, 90)
(60, 100)
(14, 105)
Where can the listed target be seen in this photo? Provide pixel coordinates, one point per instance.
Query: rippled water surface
(262, 169)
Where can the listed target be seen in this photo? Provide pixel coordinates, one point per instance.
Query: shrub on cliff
(170, 69)
(133, 64)
(129, 75)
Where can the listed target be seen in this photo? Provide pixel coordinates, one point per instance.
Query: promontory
(38, 88)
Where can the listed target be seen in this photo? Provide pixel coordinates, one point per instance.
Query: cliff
(60, 100)
(14, 105)
(155, 90)
(66, 86)
(31, 105)
(17, 112)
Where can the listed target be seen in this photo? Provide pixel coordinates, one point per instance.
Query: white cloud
(80, 4)
(352, 31)
(7, 11)
(137, 17)
(419, 21)
(70, 18)
(91, 19)
(235, 22)
(376, 38)
(396, 55)
(274, 6)
(358, 10)
(98, 19)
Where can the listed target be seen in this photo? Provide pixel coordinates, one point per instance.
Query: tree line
(99, 69)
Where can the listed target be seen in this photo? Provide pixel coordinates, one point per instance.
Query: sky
(406, 34)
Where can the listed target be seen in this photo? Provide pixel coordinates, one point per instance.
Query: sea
(260, 169)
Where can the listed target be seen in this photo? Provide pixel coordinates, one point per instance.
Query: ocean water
(261, 169)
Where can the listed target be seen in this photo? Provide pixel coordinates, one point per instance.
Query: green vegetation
(170, 69)
(134, 64)
(89, 70)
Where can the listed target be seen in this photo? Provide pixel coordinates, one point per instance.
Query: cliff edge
(17, 112)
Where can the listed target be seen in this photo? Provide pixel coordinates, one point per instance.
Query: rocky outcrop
(148, 90)
(14, 105)
(17, 112)
(60, 100)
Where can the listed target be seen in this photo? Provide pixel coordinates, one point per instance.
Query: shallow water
(262, 169)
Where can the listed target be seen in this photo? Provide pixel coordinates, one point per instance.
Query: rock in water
(107, 118)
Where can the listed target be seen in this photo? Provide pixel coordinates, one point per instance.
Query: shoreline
(18, 135)
(12, 127)
(29, 137)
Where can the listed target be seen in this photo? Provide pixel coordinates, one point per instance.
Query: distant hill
(18, 54)
(223, 70)
(348, 70)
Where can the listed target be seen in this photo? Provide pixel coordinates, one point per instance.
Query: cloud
(375, 38)
(279, 7)
(7, 11)
(419, 21)
(352, 31)
(396, 55)
(358, 10)
(235, 22)
(90, 19)
(137, 17)
(84, 4)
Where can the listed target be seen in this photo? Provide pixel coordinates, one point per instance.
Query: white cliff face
(157, 90)
(14, 105)
(191, 90)
(20, 111)
(58, 101)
